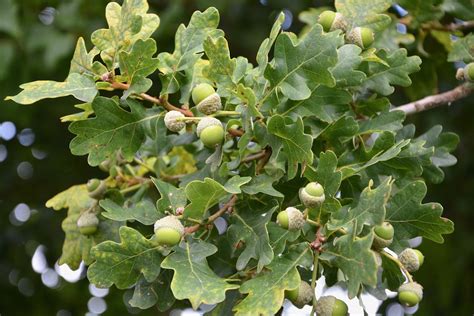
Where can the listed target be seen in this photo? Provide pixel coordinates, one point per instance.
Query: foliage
(315, 110)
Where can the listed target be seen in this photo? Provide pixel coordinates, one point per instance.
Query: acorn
(469, 72)
(383, 235)
(291, 218)
(330, 306)
(312, 195)
(206, 99)
(210, 131)
(169, 230)
(96, 188)
(302, 295)
(87, 223)
(361, 36)
(172, 123)
(410, 294)
(412, 259)
(331, 21)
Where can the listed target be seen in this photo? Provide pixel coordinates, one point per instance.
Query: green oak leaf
(262, 183)
(80, 116)
(381, 78)
(355, 259)
(157, 293)
(461, 9)
(76, 246)
(266, 291)
(143, 211)
(83, 60)
(137, 65)
(266, 46)
(391, 273)
(340, 131)
(365, 13)
(171, 199)
(127, 24)
(233, 184)
(193, 279)
(369, 209)
(345, 71)
(296, 144)
(411, 218)
(188, 49)
(203, 195)
(326, 173)
(294, 72)
(463, 49)
(280, 237)
(81, 87)
(111, 130)
(221, 67)
(123, 263)
(421, 11)
(385, 121)
(325, 103)
(248, 224)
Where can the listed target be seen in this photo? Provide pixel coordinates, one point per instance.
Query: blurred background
(37, 39)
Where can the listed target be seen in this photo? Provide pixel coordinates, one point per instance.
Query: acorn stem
(399, 264)
(184, 119)
(314, 275)
(226, 113)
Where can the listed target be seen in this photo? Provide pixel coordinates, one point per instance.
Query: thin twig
(235, 132)
(399, 264)
(254, 157)
(160, 101)
(466, 25)
(213, 217)
(263, 161)
(436, 100)
(314, 275)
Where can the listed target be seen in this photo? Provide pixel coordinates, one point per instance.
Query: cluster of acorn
(88, 220)
(411, 293)
(209, 129)
(360, 36)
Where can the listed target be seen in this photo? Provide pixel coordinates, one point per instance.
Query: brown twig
(227, 207)
(254, 157)
(466, 25)
(235, 132)
(160, 101)
(263, 161)
(436, 100)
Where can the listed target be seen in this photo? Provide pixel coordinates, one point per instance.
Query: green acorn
(87, 223)
(331, 21)
(410, 294)
(412, 259)
(291, 218)
(302, 295)
(331, 306)
(172, 123)
(210, 131)
(383, 236)
(206, 99)
(312, 195)
(169, 230)
(361, 36)
(469, 72)
(96, 188)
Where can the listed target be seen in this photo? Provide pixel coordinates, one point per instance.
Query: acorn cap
(305, 295)
(206, 122)
(171, 123)
(411, 259)
(87, 223)
(309, 200)
(210, 105)
(96, 188)
(330, 306)
(295, 218)
(412, 288)
(379, 243)
(340, 23)
(469, 72)
(170, 221)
